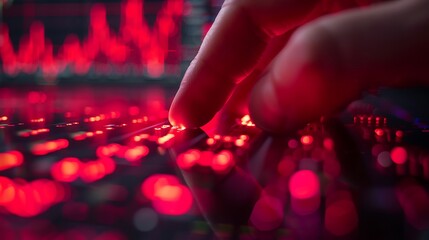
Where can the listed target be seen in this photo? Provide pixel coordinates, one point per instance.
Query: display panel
(108, 41)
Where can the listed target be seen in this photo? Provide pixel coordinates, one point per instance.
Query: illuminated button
(304, 184)
(399, 155)
(222, 162)
(10, 159)
(307, 140)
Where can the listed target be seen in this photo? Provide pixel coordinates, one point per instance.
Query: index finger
(229, 53)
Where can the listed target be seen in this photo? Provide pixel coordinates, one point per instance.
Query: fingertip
(266, 111)
(298, 86)
(184, 115)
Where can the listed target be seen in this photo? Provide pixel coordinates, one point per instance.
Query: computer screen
(109, 41)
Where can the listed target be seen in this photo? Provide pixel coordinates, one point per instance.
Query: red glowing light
(66, 170)
(328, 144)
(206, 158)
(79, 136)
(399, 155)
(173, 200)
(47, 191)
(188, 159)
(28, 199)
(10, 159)
(69, 169)
(227, 139)
(210, 141)
(136, 153)
(109, 165)
(304, 184)
(165, 139)
(222, 162)
(154, 183)
(44, 148)
(92, 171)
(246, 121)
(135, 43)
(133, 110)
(307, 140)
(7, 190)
(379, 132)
(239, 142)
(109, 150)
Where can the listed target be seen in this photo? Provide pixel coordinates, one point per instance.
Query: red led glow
(70, 169)
(154, 183)
(136, 153)
(10, 159)
(168, 195)
(304, 188)
(246, 121)
(92, 171)
(66, 170)
(239, 142)
(206, 158)
(108, 164)
(307, 140)
(188, 159)
(164, 139)
(223, 161)
(399, 133)
(379, 132)
(44, 148)
(79, 136)
(7, 190)
(173, 200)
(108, 150)
(304, 184)
(135, 43)
(210, 141)
(398, 155)
(328, 144)
(29, 199)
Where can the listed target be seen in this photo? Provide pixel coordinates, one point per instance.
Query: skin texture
(292, 61)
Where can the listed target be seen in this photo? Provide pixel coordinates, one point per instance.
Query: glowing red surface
(66, 170)
(304, 184)
(223, 161)
(399, 155)
(307, 139)
(10, 159)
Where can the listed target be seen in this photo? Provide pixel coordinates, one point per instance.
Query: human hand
(325, 64)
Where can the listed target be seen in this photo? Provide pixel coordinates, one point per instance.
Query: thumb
(329, 62)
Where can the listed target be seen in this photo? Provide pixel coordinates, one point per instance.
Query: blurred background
(110, 41)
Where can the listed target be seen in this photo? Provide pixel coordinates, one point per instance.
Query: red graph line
(136, 43)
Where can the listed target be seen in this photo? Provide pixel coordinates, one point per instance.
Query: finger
(230, 52)
(330, 62)
(237, 104)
